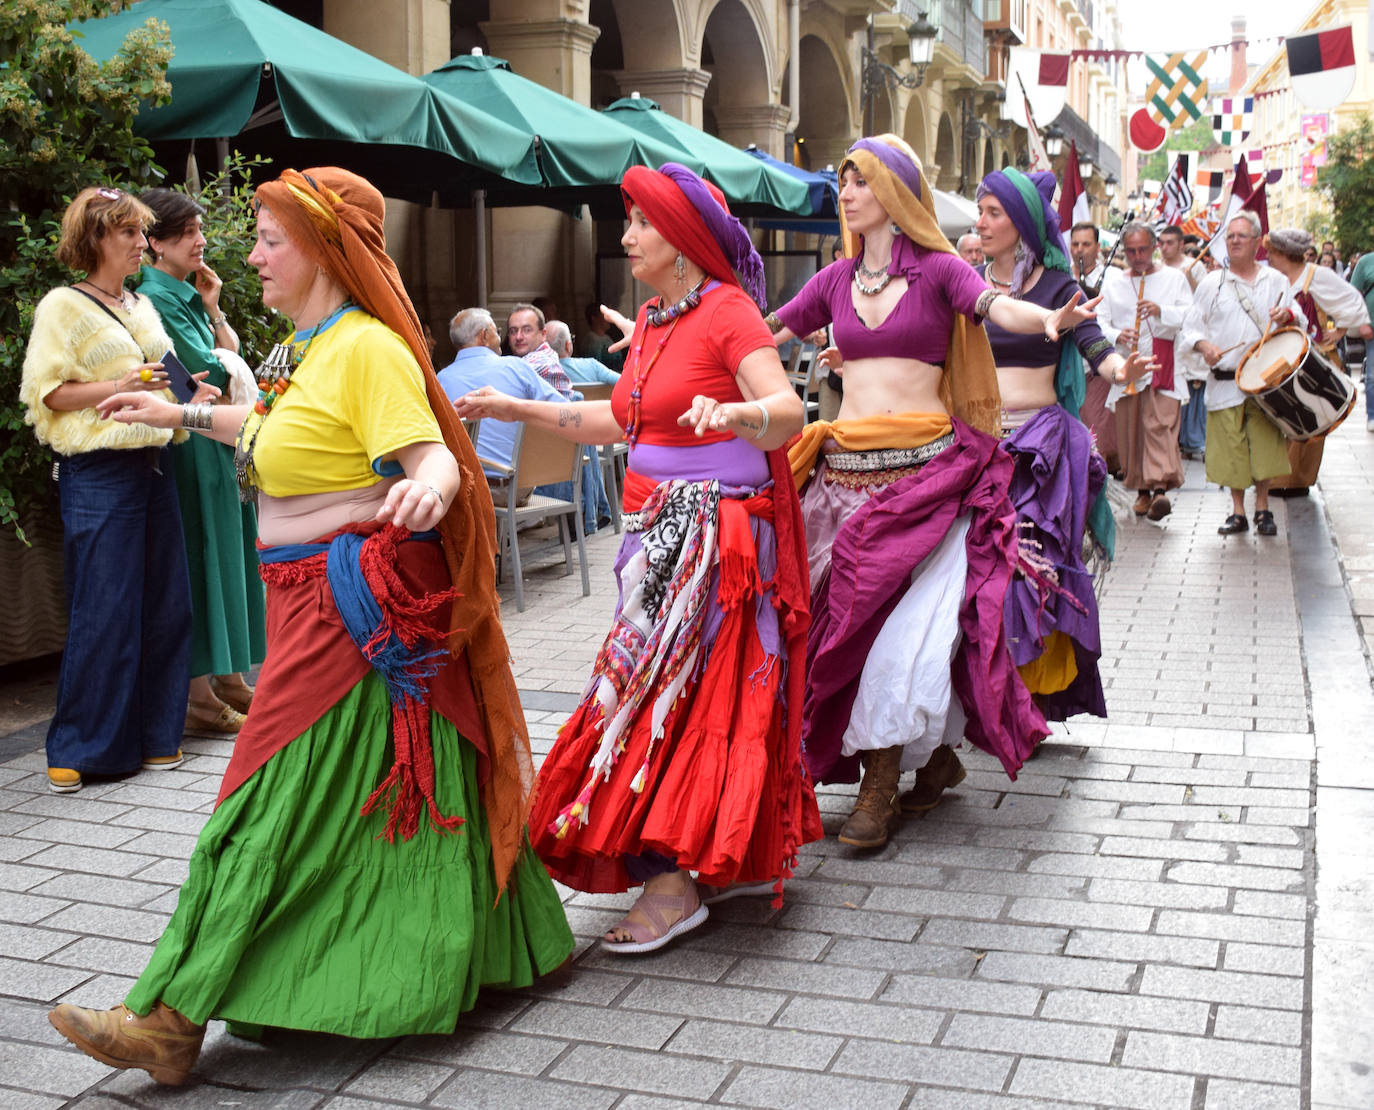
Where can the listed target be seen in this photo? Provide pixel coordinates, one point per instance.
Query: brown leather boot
(942, 771)
(875, 812)
(165, 1044)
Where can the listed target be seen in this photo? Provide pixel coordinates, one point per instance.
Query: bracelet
(219, 321)
(198, 417)
(438, 496)
(764, 430)
(774, 322)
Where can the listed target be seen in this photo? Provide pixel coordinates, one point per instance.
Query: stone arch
(989, 159)
(946, 154)
(657, 31)
(823, 117)
(739, 100)
(914, 130)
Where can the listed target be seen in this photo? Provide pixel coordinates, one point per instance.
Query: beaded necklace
(274, 378)
(659, 316)
(880, 279)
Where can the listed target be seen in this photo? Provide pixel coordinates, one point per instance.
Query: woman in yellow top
(121, 688)
(366, 870)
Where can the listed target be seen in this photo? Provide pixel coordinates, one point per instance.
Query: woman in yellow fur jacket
(121, 695)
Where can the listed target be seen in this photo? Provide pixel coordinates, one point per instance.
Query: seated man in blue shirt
(479, 362)
(585, 371)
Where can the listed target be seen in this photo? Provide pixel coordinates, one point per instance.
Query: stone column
(764, 125)
(677, 91)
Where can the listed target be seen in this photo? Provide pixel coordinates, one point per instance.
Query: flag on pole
(1035, 145)
(1178, 194)
(1210, 183)
(1321, 67)
(1233, 118)
(1073, 197)
(1054, 69)
(1177, 89)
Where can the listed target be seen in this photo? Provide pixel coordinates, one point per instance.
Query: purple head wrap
(1039, 230)
(895, 160)
(729, 234)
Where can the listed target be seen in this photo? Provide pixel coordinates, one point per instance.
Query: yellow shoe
(63, 780)
(165, 1044)
(213, 724)
(162, 762)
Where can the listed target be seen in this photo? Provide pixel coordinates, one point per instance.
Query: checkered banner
(1232, 119)
(1177, 89)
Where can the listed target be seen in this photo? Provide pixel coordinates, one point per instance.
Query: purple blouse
(1011, 349)
(939, 284)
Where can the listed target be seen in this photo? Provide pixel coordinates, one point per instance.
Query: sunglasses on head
(109, 194)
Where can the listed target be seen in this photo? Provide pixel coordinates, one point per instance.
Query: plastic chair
(541, 458)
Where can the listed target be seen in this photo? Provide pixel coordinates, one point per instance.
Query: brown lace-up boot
(942, 771)
(875, 812)
(165, 1044)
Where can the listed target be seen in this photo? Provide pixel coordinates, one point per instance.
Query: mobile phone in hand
(179, 379)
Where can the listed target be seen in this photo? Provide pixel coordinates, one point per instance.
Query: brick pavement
(1139, 921)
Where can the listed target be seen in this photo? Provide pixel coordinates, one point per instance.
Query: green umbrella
(577, 146)
(745, 181)
(243, 66)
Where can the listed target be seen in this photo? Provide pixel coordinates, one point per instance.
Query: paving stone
(494, 1091)
(962, 994)
(786, 1090)
(890, 955)
(1176, 895)
(1267, 958)
(1245, 1023)
(1225, 874)
(581, 985)
(135, 794)
(596, 1025)
(56, 830)
(925, 1067)
(860, 1019)
(790, 943)
(12, 1099)
(782, 1047)
(934, 903)
(102, 889)
(40, 982)
(1098, 867)
(1236, 987)
(287, 1060)
(73, 807)
(633, 1070)
(1009, 883)
(1030, 1037)
(50, 1071)
(1263, 855)
(1259, 930)
(1274, 815)
(1128, 1011)
(1244, 834)
(1163, 849)
(108, 921)
(1228, 1094)
(484, 1048)
(1193, 951)
(103, 954)
(400, 1080)
(1133, 792)
(1064, 971)
(96, 861)
(23, 942)
(807, 978)
(987, 935)
(1269, 904)
(1206, 1056)
(847, 922)
(1105, 1086)
(703, 1000)
(1056, 911)
(161, 843)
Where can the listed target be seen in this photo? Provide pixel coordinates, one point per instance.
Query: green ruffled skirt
(297, 914)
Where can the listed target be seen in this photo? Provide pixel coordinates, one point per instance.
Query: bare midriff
(1023, 387)
(307, 516)
(876, 386)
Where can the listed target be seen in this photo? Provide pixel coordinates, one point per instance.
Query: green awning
(744, 180)
(578, 147)
(242, 65)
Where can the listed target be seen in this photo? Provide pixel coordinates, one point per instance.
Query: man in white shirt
(1231, 309)
(1171, 254)
(1088, 267)
(1326, 299)
(1089, 270)
(1142, 310)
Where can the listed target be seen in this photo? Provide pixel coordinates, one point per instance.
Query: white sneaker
(1369, 425)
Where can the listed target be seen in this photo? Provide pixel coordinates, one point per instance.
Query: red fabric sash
(1163, 378)
(311, 664)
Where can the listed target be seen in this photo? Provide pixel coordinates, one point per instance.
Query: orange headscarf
(335, 218)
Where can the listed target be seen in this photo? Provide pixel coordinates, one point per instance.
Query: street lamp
(920, 45)
(1054, 141)
(1085, 168)
(1110, 182)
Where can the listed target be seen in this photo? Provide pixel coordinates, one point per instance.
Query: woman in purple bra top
(910, 534)
(1051, 613)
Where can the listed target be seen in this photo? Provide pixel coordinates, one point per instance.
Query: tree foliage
(66, 122)
(1348, 181)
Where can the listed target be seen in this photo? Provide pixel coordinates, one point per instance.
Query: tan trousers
(1101, 420)
(1147, 437)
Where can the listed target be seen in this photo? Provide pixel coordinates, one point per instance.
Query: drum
(1298, 387)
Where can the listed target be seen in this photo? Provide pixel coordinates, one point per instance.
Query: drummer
(1232, 308)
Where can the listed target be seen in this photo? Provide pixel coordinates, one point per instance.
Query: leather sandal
(1264, 523)
(210, 725)
(653, 936)
(1236, 522)
(1159, 506)
(239, 694)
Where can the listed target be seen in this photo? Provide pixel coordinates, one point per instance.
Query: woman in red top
(684, 753)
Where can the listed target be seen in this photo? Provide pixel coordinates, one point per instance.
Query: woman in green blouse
(228, 635)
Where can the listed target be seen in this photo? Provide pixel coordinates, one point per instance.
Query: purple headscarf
(730, 235)
(1039, 230)
(895, 160)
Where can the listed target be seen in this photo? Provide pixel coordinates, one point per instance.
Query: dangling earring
(679, 268)
(1020, 251)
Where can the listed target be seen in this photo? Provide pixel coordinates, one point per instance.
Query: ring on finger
(145, 375)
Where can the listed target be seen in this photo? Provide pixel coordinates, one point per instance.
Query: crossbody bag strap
(108, 312)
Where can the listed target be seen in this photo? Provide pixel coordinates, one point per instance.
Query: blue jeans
(1192, 427)
(121, 690)
(595, 504)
